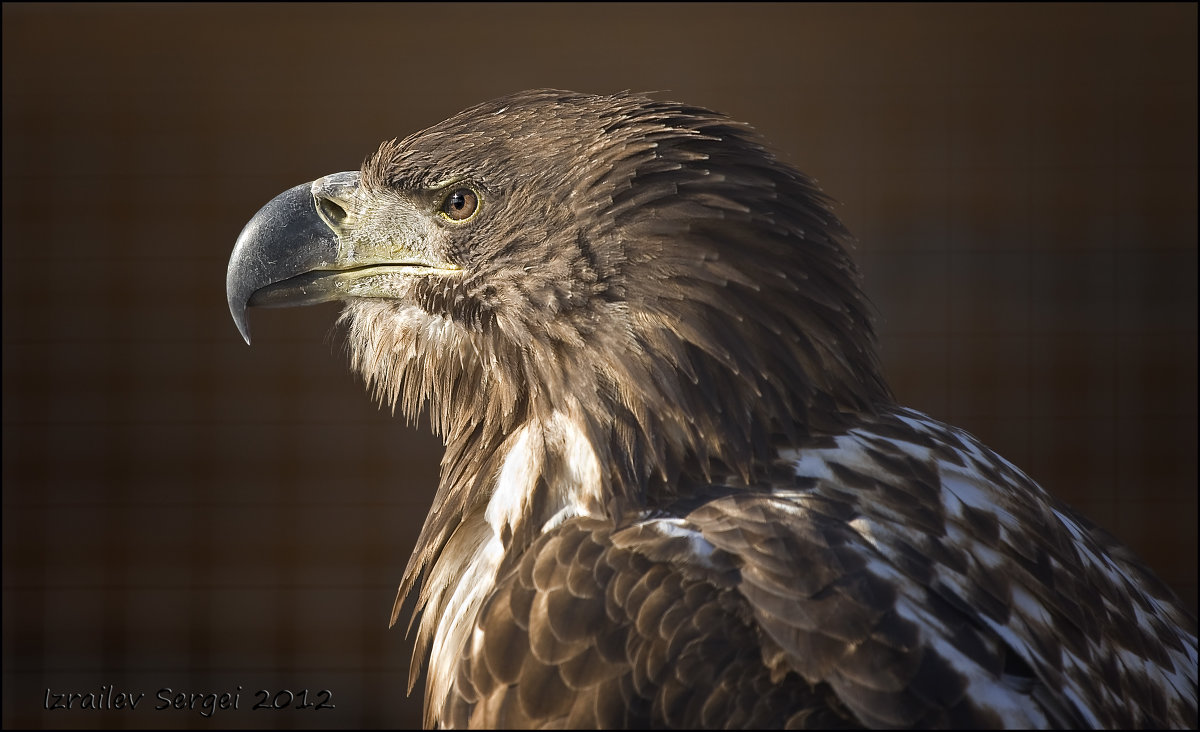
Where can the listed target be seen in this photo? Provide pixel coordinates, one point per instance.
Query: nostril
(333, 214)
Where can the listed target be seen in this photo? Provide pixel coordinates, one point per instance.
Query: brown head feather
(622, 277)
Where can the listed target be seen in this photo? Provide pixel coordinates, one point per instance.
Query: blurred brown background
(183, 511)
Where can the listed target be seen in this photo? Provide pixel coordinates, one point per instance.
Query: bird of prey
(677, 491)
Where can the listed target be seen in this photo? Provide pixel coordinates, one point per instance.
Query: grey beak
(285, 241)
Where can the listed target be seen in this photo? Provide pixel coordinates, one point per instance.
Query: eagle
(677, 490)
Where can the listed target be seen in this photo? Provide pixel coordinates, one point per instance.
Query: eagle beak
(282, 252)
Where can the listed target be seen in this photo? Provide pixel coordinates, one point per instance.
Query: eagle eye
(460, 205)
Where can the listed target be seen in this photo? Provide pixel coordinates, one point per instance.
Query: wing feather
(905, 577)
(629, 650)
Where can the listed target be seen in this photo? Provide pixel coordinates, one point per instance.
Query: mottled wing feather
(598, 627)
(992, 570)
(906, 576)
(854, 624)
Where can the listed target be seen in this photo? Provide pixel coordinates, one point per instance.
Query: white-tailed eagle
(677, 490)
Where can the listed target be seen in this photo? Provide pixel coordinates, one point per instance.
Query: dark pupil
(458, 200)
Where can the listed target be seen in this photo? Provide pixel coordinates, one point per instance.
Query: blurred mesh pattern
(184, 512)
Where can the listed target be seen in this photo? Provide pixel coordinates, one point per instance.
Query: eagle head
(646, 268)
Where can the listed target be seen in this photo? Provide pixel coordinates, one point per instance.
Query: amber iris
(460, 205)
